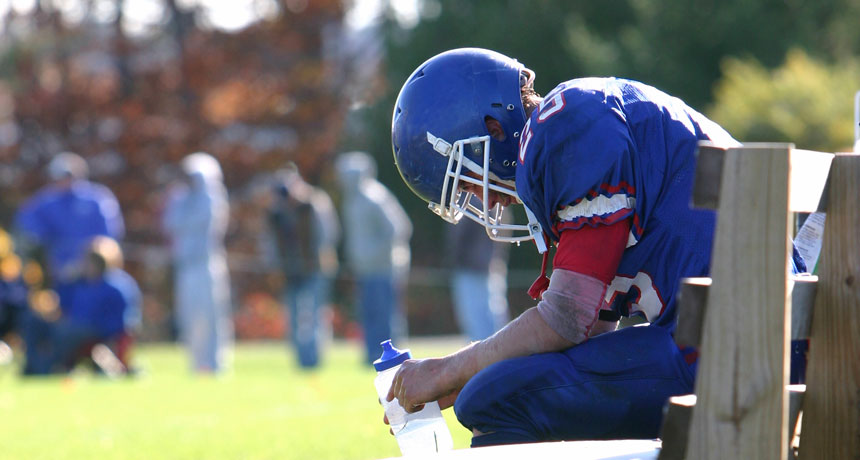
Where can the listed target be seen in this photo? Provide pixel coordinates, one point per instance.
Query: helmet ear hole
(494, 127)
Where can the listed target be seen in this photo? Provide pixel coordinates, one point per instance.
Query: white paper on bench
(809, 239)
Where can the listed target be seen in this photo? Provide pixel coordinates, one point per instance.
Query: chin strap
(542, 282)
(536, 232)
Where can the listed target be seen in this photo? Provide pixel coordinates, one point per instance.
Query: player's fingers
(401, 396)
(400, 390)
(391, 391)
(404, 400)
(385, 420)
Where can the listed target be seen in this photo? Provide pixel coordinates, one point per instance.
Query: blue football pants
(612, 386)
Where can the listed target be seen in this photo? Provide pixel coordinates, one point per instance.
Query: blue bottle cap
(390, 356)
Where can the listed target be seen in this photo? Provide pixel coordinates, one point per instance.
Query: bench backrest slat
(808, 170)
(742, 405)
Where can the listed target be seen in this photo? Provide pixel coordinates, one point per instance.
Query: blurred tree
(136, 86)
(678, 45)
(804, 101)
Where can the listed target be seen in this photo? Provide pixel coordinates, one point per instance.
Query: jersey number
(550, 106)
(648, 300)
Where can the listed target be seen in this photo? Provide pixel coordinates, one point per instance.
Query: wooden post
(831, 406)
(692, 304)
(676, 427)
(742, 405)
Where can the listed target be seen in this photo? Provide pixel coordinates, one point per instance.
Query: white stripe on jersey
(598, 206)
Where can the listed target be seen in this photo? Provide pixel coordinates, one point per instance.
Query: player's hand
(444, 403)
(421, 381)
(385, 421)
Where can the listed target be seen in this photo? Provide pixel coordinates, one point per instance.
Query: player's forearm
(526, 335)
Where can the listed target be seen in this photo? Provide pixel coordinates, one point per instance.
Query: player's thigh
(612, 384)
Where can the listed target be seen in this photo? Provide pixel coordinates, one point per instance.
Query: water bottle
(421, 432)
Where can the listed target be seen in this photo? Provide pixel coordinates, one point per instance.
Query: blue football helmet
(439, 136)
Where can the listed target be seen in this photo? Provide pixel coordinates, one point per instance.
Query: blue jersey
(66, 220)
(601, 150)
(99, 304)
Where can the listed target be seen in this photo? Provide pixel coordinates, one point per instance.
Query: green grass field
(264, 408)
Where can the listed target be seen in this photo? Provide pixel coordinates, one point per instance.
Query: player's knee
(490, 423)
(475, 403)
(466, 405)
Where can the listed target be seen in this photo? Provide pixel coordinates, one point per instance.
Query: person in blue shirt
(93, 309)
(63, 217)
(603, 168)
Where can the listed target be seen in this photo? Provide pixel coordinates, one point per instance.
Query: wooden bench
(743, 407)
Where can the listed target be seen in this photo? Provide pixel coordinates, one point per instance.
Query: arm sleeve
(593, 251)
(112, 213)
(571, 304)
(584, 265)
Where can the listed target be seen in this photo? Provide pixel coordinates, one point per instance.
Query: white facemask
(460, 203)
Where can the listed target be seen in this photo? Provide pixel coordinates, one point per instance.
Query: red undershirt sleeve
(584, 265)
(593, 251)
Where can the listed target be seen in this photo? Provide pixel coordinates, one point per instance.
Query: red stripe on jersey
(607, 190)
(636, 227)
(594, 251)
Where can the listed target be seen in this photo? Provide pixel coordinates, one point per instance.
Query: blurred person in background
(305, 230)
(478, 279)
(97, 307)
(195, 220)
(377, 248)
(60, 220)
(13, 293)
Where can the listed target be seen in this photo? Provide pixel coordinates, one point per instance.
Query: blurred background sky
(135, 85)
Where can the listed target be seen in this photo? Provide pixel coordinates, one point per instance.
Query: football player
(604, 169)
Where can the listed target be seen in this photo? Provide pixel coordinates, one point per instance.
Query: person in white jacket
(376, 236)
(195, 219)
